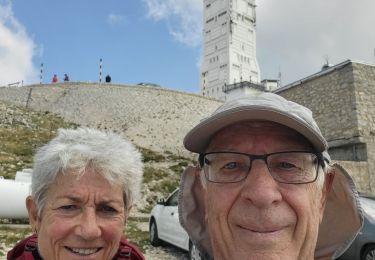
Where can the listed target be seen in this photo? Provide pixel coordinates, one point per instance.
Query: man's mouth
(83, 251)
(263, 230)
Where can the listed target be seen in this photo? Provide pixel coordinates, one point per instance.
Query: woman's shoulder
(128, 251)
(26, 249)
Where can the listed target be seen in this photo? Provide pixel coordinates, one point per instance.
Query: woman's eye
(108, 210)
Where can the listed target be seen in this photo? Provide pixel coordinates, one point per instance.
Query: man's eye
(231, 166)
(68, 208)
(287, 165)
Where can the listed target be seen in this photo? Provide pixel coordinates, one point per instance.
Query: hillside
(23, 130)
(154, 119)
(151, 117)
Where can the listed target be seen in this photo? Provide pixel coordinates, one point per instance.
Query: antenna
(326, 58)
(279, 77)
(41, 74)
(100, 70)
(326, 65)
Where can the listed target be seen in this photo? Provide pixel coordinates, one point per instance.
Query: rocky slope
(154, 118)
(21, 132)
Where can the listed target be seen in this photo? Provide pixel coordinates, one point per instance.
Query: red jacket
(27, 249)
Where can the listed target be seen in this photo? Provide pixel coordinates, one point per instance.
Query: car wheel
(154, 238)
(369, 253)
(194, 253)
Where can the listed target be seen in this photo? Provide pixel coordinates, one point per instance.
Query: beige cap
(267, 107)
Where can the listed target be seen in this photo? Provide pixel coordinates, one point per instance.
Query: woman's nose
(89, 228)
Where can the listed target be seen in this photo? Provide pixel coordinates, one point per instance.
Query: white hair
(76, 150)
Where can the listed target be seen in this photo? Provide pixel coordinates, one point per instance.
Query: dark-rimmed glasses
(291, 167)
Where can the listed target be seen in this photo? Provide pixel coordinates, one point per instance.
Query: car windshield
(368, 206)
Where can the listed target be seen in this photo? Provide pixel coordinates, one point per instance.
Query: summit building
(229, 65)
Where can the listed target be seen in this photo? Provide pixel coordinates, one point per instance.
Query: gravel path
(165, 252)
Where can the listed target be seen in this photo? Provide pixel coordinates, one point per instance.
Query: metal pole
(41, 73)
(100, 71)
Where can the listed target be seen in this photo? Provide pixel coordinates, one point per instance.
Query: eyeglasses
(292, 167)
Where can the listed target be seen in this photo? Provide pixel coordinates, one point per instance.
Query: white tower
(229, 40)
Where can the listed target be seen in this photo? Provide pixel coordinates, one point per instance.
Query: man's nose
(260, 187)
(89, 228)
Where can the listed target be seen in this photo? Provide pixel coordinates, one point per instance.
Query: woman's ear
(127, 214)
(33, 213)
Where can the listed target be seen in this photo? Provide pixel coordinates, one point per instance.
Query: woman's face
(82, 218)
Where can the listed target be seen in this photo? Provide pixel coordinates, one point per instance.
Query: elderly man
(264, 188)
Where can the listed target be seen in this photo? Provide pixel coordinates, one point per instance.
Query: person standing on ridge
(55, 79)
(107, 79)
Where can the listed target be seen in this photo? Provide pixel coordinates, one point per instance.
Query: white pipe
(13, 194)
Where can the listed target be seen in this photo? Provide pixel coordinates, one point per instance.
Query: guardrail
(242, 84)
(16, 84)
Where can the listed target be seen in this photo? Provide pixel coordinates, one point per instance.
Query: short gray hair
(76, 150)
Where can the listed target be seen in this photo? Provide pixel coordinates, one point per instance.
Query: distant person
(55, 79)
(108, 79)
(83, 186)
(66, 77)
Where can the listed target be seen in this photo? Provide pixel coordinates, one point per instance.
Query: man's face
(260, 218)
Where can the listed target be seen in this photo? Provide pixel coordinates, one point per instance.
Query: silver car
(164, 226)
(363, 247)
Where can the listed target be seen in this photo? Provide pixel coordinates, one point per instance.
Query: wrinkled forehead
(248, 130)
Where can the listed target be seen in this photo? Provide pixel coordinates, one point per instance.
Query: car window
(368, 206)
(172, 200)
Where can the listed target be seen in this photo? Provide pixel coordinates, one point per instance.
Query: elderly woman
(83, 186)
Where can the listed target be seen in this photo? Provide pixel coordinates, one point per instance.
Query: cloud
(297, 35)
(16, 49)
(115, 19)
(183, 18)
(293, 36)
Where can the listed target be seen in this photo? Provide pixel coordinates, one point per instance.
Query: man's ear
(329, 177)
(327, 186)
(33, 213)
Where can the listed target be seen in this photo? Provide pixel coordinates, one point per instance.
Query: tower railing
(243, 84)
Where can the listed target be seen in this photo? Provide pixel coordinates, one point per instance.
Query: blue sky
(159, 41)
(71, 36)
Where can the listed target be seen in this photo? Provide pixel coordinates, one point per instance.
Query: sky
(160, 41)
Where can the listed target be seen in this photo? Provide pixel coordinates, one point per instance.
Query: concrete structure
(229, 40)
(342, 98)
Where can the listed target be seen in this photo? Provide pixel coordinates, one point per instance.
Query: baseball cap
(265, 107)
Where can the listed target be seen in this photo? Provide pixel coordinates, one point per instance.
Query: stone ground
(163, 252)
